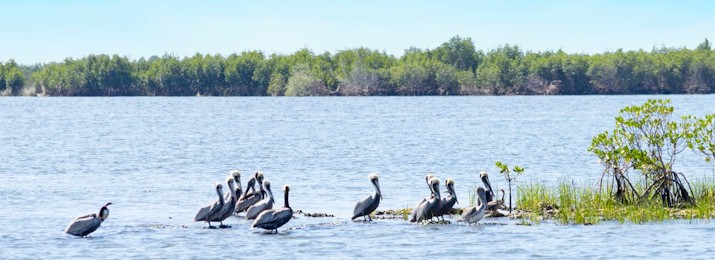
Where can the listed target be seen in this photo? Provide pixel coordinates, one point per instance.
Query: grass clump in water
(571, 204)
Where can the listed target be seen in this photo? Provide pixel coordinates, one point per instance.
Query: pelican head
(236, 174)
(485, 179)
(429, 176)
(104, 211)
(482, 195)
(374, 179)
(267, 185)
(218, 186)
(434, 182)
(259, 176)
(251, 184)
(229, 179)
(286, 188)
(449, 183)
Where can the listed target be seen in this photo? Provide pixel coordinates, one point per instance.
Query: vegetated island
(638, 183)
(453, 68)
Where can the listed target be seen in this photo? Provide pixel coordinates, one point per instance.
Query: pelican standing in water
(249, 198)
(84, 225)
(237, 180)
(265, 204)
(228, 206)
(272, 219)
(489, 192)
(428, 209)
(368, 204)
(212, 210)
(412, 214)
(472, 215)
(446, 204)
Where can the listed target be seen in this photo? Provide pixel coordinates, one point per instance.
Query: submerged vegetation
(455, 67)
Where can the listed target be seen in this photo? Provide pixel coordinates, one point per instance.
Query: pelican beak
(377, 184)
(456, 200)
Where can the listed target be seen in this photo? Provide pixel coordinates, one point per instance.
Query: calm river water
(156, 159)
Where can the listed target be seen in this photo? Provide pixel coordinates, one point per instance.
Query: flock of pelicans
(258, 205)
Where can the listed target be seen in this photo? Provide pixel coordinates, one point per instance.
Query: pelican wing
(413, 215)
(247, 201)
(259, 207)
(466, 212)
(226, 211)
(208, 212)
(445, 205)
(273, 218)
(423, 211)
(365, 206)
(83, 225)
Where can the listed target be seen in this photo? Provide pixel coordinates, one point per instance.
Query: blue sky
(45, 31)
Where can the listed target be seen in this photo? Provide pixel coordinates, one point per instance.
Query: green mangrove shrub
(504, 170)
(646, 138)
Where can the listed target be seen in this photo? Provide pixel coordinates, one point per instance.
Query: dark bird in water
(446, 204)
(368, 204)
(472, 215)
(488, 192)
(212, 210)
(413, 218)
(228, 206)
(427, 210)
(265, 204)
(253, 197)
(496, 204)
(84, 225)
(272, 219)
(237, 180)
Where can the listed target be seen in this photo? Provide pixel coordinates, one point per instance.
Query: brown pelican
(265, 204)
(249, 198)
(496, 204)
(212, 210)
(272, 219)
(237, 180)
(445, 205)
(228, 206)
(428, 209)
(368, 204)
(412, 214)
(472, 215)
(84, 225)
(487, 185)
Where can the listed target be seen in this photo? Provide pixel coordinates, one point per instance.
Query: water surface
(157, 158)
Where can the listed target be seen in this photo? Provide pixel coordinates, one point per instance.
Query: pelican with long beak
(446, 204)
(489, 192)
(212, 210)
(428, 209)
(413, 217)
(237, 180)
(249, 198)
(272, 219)
(472, 215)
(84, 225)
(265, 204)
(369, 204)
(229, 205)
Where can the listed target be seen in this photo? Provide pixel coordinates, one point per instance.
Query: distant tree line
(453, 68)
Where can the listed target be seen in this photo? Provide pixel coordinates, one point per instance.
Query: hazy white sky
(44, 30)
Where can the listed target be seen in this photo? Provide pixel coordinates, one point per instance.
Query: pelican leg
(210, 226)
(369, 218)
(222, 225)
